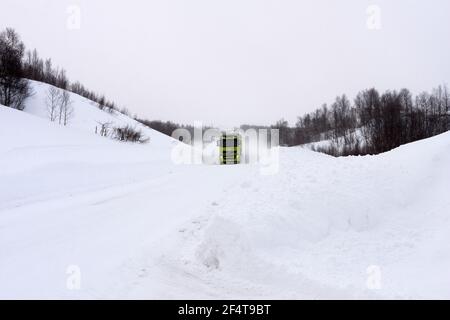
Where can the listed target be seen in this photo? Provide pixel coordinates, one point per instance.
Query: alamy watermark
(259, 146)
(373, 21)
(373, 281)
(73, 21)
(73, 281)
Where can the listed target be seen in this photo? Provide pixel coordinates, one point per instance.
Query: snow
(356, 137)
(137, 225)
(87, 115)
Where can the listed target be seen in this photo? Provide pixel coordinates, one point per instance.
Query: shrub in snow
(128, 134)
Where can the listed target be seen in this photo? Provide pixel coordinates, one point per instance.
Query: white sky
(237, 61)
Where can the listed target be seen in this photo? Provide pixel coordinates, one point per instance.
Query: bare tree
(101, 103)
(446, 102)
(283, 127)
(104, 128)
(52, 102)
(14, 89)
(66, 108)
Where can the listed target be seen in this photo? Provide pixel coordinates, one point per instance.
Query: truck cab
(230, 148)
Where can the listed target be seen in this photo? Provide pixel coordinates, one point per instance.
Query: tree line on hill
(18, 64)
(14, 89)
(373, 123)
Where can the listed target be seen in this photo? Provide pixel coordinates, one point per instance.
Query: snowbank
(321, 226)
(135, 225)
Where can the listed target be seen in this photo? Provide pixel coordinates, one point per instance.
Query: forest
(373, 123)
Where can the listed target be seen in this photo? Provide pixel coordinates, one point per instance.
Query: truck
(230, 148)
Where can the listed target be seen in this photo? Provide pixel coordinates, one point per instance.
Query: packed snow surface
(82, 216)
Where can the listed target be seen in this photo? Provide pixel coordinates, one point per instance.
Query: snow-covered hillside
(135, 225)
(87, 116)
(356, 137)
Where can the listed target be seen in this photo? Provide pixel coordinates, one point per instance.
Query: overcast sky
(229, 62)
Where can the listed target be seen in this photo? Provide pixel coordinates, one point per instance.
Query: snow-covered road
(134, 225)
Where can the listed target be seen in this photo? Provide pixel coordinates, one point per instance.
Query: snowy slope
(355, 136)
(87, 116)
(315, 229)
(138, 226)
(68, 197)
(42, 158)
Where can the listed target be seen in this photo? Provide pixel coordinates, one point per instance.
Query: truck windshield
(229, 142)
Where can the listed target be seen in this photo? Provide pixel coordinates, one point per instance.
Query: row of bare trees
(59, 105)
(166, 127)
(38, 69)
(373, 123)
(42, 70)
(17, 65)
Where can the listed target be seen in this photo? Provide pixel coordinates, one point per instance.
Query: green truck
(230, 148)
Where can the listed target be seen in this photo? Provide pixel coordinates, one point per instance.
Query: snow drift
(136, 225)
